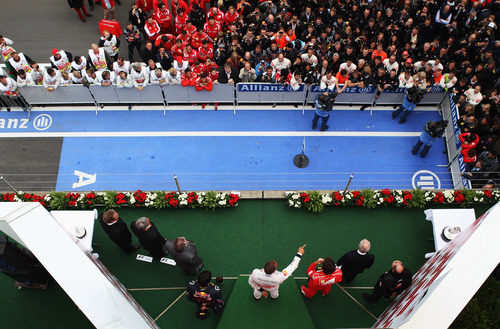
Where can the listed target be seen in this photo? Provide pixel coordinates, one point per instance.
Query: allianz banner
(266, 87)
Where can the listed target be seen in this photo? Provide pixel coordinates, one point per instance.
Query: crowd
(334, 44)
(265, 282)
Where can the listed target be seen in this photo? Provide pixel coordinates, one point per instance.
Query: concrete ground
(38, 26)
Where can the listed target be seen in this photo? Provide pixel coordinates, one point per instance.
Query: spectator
(228, 75)
(8, 87)
(79, 63)
(37, 73)
(158, 77)
(247, 73)
(328, 81)
(148, 52)
(280, 63)
(19, 61)
(105, 78)
(473, 95)
(24, 79)
(5, 48)
(121, 65)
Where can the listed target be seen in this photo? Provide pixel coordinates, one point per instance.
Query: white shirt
(99, 79)
(52, 81)
(25, 82)
(139, 79)
(260, 279)
(277, 65)
(175, 80)
(447, 84)
(389, 67)
(313, 60)
(123, 68)
(155, 80)
(10, 88)
(472, 97)
(181, 68)
(328, 83)
(124, 83)
(405, 83)
(80, 67)
(349, 69)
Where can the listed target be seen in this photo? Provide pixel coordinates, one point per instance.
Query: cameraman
(432, 130)
(412, 98)
(324, 104)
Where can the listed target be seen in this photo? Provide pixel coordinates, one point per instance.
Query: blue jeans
(324, 120)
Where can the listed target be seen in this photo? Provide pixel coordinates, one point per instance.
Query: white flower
(47, 197)
(348, 195)
(132, 200)
(183, 203)
(290, 203)
(297, 205)
(222, 202)
(295, 196)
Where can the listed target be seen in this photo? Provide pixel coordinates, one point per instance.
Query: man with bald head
(391, 283)
(356, 261)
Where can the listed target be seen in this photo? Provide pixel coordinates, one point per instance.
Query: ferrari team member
(267, 280)
(322, 273)
(205, 294)
(163, 18)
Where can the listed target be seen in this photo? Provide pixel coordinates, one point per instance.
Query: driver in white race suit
(267, 280)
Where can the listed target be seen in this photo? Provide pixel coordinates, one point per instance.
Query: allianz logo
(40, 122)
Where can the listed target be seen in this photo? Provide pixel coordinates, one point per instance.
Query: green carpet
(233, 242)
(244, 312)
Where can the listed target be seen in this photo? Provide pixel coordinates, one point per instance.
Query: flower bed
(137, 199)
(316, 202)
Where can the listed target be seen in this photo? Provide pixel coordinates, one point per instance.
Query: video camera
(415, 95)
(328, 100)
(436, 128)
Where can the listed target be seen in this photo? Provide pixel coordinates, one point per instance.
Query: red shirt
(191, 56)
(207, 87)
(163, 17)
(198, 69)
(212, 30)
(205, 53)
(180, 23)
(188, 81)
(214, 75)
(219, 17)
(318, 278)
(229, 19)
(168, 44)
(177, 51)
(182, 4)
(153, 30)
(197, 38)
(145, 5)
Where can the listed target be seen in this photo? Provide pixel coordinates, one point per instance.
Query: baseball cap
(409, 60)
(54, 51)
(405, 53)
(491, 24)
(179, 59)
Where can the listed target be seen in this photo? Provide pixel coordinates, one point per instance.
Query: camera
(328, 100)
(436, 128)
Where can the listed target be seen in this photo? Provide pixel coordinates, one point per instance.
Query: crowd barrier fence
(241, 93)
(456, 162)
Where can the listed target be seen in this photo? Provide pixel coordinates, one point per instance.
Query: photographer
(110, 43)
(412, 98)
(324, 105)
(432, 130)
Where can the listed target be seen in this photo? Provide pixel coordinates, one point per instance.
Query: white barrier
(242, 93)
(73, 94)
(269, 93)
(177, 94)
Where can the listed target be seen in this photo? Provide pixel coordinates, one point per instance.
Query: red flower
(488, 194)
(459, 197)
(173, 202)
(360, 201)
(356, 194)
(385, 192)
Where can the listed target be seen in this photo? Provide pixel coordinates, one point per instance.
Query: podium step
(244, 312)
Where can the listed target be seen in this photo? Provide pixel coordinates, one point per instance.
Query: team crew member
(140, 76)
(356, 261)
(205, 294)
(152, 29)
(98, 58)
(163, 18)
(267, 280)
(110, 43)
(391, 283)
(19, 61)
(79, 63)
(322, 273)
(51, 79)
(212, 28)
(61, 60)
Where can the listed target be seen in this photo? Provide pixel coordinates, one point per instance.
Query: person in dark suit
(356, 261)
(117, 230)
(227, 75)
(391, 283)
(148, 236)
(185, 255)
